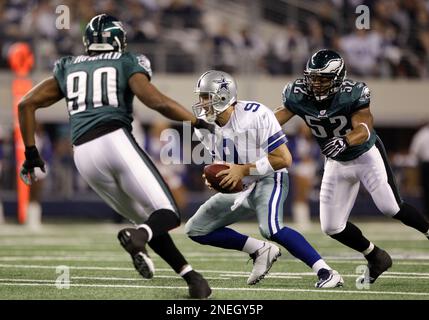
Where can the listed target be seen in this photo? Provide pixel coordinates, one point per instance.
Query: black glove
(335, 146)
(201, 124)
(32, 160)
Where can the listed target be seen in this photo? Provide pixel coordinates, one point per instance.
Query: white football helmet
(217, 90)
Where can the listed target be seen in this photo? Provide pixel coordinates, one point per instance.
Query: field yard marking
(277, 276)
(138, 279)
(224, 289)
(268, 276)
(223, 272)
(30, 266)
(59, 258)
(28, 280)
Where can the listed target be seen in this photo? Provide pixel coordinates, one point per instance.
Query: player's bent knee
(193, 230)
(265, 232)
(331, 230)
(171, 216)
(389, 209)
(189, 228)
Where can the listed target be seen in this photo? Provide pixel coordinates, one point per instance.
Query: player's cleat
(329, 279)
(134, 242)
(379, 262)
(198, 286)
(263, 260)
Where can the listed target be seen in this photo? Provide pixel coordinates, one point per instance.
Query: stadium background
(264, 44)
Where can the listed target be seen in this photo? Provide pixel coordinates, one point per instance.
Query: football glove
(335, 146)
(201, 124)
(32, 160)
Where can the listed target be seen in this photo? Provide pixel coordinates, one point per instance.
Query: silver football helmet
(217, 90)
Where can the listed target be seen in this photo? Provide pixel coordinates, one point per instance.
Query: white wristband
(263, 167)
(367, 129)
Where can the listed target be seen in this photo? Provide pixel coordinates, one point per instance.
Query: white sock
(320, 264)
(427, 234)
(252, 245)
(148, 229)
(369, 250)
(185, 270)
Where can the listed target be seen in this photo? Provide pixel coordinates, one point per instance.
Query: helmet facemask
(205, 108)
(322, 85)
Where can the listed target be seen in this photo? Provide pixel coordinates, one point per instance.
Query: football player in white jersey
(249, 139)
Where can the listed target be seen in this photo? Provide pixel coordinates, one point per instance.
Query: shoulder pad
(294, 92)
(357, 93)
(61, 62)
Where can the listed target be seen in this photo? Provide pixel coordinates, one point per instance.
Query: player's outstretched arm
(362, 122)
(154, 99)
(283, 114)
(42, 95)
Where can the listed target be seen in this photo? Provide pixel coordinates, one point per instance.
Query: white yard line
(365, 292)
(223, 274)
(221, 277)
(226, 272)
(32, 266)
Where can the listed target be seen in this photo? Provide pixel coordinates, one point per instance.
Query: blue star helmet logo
(223, 83)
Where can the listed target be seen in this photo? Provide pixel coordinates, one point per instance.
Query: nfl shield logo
(322, 114)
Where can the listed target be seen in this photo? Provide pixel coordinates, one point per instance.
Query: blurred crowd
(184, 36)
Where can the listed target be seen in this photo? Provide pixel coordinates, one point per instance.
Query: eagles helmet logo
(324, 74)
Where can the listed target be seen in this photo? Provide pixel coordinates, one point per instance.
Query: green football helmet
(104, 33)
(324, 74)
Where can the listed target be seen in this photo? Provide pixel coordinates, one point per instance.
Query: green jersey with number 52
(96, 88)
(331, 117)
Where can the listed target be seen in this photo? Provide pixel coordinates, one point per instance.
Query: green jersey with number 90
(332, 117)
(96, 88)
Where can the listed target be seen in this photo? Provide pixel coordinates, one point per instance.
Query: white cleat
(263, 260)
(329, 279)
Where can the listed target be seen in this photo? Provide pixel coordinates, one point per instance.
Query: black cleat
(378, 262)
(134, 242)
(198, 286)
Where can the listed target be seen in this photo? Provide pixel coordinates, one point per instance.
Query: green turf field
(100, 269)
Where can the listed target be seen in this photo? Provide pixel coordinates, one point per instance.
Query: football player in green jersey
(338, 112)
(99, 88)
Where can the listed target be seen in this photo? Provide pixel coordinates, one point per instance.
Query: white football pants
(340, 186)
(123, 176)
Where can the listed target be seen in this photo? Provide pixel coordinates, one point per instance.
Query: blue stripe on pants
(278, 201)
(270, 204)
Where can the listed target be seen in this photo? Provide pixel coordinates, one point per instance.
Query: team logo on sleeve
(365, 95)
(144, 63)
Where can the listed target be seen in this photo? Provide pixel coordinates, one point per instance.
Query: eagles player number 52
(338, 112)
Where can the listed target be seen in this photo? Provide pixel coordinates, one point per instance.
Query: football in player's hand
(210, 172)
